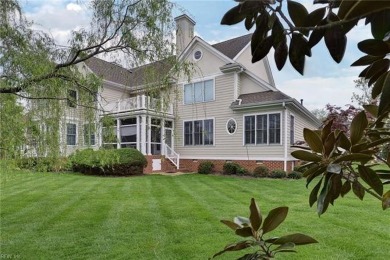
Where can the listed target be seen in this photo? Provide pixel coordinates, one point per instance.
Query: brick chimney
(184, 32)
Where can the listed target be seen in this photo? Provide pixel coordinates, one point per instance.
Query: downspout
(285, 138)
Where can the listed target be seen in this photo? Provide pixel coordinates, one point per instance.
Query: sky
(324, 81)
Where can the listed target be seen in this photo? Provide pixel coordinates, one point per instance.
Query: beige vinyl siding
(225, 145)
(248, 85)
(258, 68)
(110, 94)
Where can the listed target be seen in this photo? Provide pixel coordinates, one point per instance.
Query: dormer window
(198, 55)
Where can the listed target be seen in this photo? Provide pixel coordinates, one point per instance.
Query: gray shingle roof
(233, 46)
(261, 97)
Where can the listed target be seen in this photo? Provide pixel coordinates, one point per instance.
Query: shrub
(205, 167)
(44, 164)
(231, 168)
(294, 175)
(261, 171)
(118, 162)
(278, 174)
(299, 169)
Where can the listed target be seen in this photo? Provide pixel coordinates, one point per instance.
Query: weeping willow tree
(38, 78)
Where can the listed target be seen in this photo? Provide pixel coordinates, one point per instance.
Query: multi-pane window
(292, 125)
(71, 134)
(89, 134)
(262, 129)
(199, 132)
(72, 98)
(199, 92)
(128, 132)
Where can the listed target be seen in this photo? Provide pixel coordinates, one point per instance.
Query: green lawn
(71, 216)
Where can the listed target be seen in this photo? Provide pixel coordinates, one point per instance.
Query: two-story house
(230, 110)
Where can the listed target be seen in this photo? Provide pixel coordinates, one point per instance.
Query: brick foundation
(166, 165)
(250, 165)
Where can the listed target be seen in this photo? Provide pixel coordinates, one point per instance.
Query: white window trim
(292, 115)
(193, 128)
(226, 127)
(84, 143)
(66, 134)
(258, 114)
(198, 81)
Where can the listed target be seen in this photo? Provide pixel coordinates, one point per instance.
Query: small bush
(278, 174)
(242, 171)
(230, 168)
(205, 167)
(118, 162)
(294, 175)
(261, 171)
(44, 164)
(299, 169)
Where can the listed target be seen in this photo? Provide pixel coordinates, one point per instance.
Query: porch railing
(138, 103)
(172, 156)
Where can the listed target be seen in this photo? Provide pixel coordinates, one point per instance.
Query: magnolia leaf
(315, 17)
(367, 60)
(386, 200)
(334, 168)
(380, 24)
(372, 109)
(359, 8)
(313, 140)
(344, 142)
(336, 42)
(345, 188)
(249, 22)
(255, 215)
(323, 199)
(274, 219)
(281, 53)
(335, 187)
(378, 142)
(311, 170)
(329, 144)
(262, 49)
(358, 125)
(298, 49)
(358, 189)
(235, 247)
(326, 130)
(233, 16)
(244, 232)
(306, 156)
(318, 172)
(286, 246)
(298, 13)
(317, 35)
(314, 193)
(242, 221)
(374, 47)
(371, 178)
(297, 239)
(384, 103)
(353, 157)
(260, 32)
(231, 224)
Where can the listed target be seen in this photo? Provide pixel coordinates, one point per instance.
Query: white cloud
(74, 7)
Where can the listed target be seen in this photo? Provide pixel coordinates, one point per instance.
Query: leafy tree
(41, 73)
(363, 96)
(341, 161)
(320, 113)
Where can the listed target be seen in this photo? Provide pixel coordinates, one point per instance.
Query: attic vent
(198, 55)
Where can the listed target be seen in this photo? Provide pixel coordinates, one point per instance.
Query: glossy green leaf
(329, 144)
(317, 35)
(297, 52)
(358, 125)
(358, 189)
(233, 16)
(244, 232)
(297, 12)
(297, 239)
(353, 157)
(335, 187)
(313, 140)
(315, 17)
(326, 130)
(380, 24)
(262, 49)
(345, 188)
(384, 103)
(314, 193)
(255, 215)
(359, 8)
(231, 224)
(386, 200)
(242, 221)
(374, 47)
(377, 69)
(372, 109)
(274, 219)
(261, 31)
(344, 142)
(336, 42)
(378, 142)
(367, 60)
(311, 170)
(235, 247)
(371, 178)
(306, 156)
(315, 174)
(285, 246)
(323, 198)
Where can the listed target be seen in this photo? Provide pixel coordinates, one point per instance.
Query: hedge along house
(230, 110)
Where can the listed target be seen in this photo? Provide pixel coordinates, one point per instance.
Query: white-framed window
(262, 129)
(231, 126)
(199, 132)
(72, 98)
(292, 130)
(198, 54)
(71, 134)
(89, 134)
(197, 92)
(128, 132)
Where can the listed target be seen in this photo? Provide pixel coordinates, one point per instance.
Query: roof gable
(234, 46)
